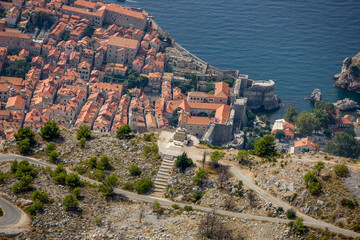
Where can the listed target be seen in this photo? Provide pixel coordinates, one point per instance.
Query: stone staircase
(163, 175)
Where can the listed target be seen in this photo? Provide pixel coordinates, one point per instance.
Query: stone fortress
(246, 93)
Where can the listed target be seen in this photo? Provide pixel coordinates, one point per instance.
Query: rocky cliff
(349, 77)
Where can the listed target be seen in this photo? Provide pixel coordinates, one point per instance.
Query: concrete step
(167, 164)
(165, 178)
(168, 161)
(158, 184)
(160, 189)
(164, 172)
(166, 167)
(161, 181)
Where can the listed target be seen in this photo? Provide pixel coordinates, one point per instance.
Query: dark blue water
(298, 44)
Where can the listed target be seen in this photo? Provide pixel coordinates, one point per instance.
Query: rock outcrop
(349, 77)
(316, 95)
(346, 105)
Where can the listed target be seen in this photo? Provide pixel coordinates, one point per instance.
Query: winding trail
(308, 221)
(14, 220)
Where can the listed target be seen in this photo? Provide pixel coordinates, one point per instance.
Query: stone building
(122, 50)
(14, 40)
(124, 16)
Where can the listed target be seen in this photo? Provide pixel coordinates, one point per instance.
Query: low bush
(143, 185)
(341, 170)
(188, 208)
(134, 170)
(290, 214)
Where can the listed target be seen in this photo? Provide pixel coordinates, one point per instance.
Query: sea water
(299, 44)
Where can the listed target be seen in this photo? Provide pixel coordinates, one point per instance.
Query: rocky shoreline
(349, 77)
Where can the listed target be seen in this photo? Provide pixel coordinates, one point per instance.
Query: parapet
(262, 86)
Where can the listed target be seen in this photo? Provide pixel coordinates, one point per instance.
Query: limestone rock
(316, 95)
(346, 105)
(346, 78)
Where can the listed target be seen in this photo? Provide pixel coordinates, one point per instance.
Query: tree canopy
(89, 30)
(70, 202)
(183, 162)
(107, 186)
(265, 146)
(175, 117)
(307, 123)
(40, 20)
(19, 69)
(143, 185)
(344, 145)
(123, 131)
(25, 133)
(280, 134)
(83, 132)
(50, 131)
(290, 114)
(216, 156)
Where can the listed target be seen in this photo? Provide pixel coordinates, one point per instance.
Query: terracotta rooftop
(123, 42)
(306, 142)
(125, 11)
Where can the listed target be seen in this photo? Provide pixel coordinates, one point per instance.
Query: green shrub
(92, 162)
(60, 178)
(54, 157)
(25, 133)
(341, 170)
(123, 132)
(146, 149)
(83, 132)
(290, 214)
(80, 169)
(49, 148)
(14, 166)
(50, 131)
(348, 203)
(77, 191)
(183, 162)
(143, 185)
(3, 177)
(100, 175)
(129, 186)
(356, 227)
(37, 206)
(24, 146)
(25, 168)
(72, 180)
(107, 186)
(197, 196)
(175, 206)
(154, 149)
(148, 137)
(312, 183)
(23, 184)
(82, 142)
(134, 170)
(314, 187)
(188, 208)
(200, 176)
(104, 163)
(41, 196)
(70, 203)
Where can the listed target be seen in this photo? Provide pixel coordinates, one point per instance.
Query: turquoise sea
(300, 44)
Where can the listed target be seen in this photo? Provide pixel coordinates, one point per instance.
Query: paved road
(12, 214)
(308, 221)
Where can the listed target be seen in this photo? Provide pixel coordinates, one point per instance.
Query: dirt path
(308, 221)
